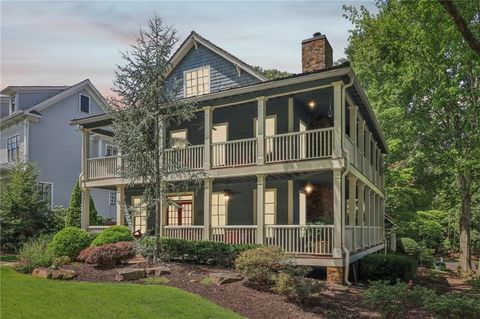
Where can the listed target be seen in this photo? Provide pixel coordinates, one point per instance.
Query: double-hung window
(84, 103)
(13, 148)
(219, 209)
(112, 198)
(111, 150)
(196, 81)
(13, 104)
(45, 191)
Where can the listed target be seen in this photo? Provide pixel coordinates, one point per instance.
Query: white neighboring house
(34, 126)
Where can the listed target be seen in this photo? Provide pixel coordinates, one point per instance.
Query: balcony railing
(184, 232)
(191, 156)
(301, 239)
(234, 153)
(235, 234)
(103, 167)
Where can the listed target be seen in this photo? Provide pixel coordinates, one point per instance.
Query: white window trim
(19, 148)
(196, 69)
(226, 207)
(178, 131)
(274, 190)
(80, 103)
(51, 191)
(255, 206)
(274, 116)
(180, 195)
(111, 145)
(221, 124)
(10, 104)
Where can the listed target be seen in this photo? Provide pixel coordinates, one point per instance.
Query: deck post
(260, 208)
(361, 210)
(85, 208)
(120, 204)
(361, 140)
(337, 213)
(368, 215)
(261, 106)
(208, 137)
(374, 216)
(85, 152)
(207, 206)
(338, 114)
(352, 194)
(353, 131)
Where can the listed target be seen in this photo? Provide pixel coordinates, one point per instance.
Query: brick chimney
(317, 53)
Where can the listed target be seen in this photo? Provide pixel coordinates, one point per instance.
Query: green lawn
(23, 296)
(6, 258)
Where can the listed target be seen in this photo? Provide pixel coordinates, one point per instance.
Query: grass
(207, 281)
(8, 258)
(156, 281)
(24, 296)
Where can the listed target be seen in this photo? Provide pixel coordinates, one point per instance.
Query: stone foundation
(335, 275)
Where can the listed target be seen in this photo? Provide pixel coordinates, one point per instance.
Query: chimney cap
(317, 34)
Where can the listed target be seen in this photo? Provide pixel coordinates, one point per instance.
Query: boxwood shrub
(113, 235)
(70, 241)
(198, 252)
(388, 267)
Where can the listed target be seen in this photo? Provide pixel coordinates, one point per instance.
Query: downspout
(347, 252)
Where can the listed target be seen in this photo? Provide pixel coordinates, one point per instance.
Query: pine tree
(74, 211)
(145, 107)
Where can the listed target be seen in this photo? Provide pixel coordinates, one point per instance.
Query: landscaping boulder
(63, 274)
(158, 271)
(42, 273)
(130, 274)
(225, 278)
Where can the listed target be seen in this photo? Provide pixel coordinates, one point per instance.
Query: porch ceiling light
(309, 188)
(227, 194)
(312, 104)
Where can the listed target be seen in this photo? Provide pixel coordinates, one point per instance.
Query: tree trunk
(158, 190)
(465, 181)
(478, 268)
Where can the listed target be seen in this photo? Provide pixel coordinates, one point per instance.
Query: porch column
(352, 205)
(374, 216)
(261, 105)
(85, 208)
(368, 215)
(207, 206)
(338, 113)
(361, 210)
(291, 115)
(260, 208)
(85, 152)
(120, 204)
(361, 139)
(337, 213)
(208, 137)
(353, 131)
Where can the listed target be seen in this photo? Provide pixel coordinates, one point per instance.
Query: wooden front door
(180, 214)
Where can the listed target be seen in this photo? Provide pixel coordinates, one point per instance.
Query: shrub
(453, 305)
(261, 266)
(113, 235)
(426, 258)
(388, 267)
(69, 242)
(296, 288)
(72, 218)
(410, 247)
(60, 261)
(145, 247)
(34, 254)
(111, 254)
(83, 255)
(392, 301)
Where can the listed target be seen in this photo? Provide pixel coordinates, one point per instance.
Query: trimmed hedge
(198, 252)
(409, 247)
(70, 241)
(113, 235)
(388, 267)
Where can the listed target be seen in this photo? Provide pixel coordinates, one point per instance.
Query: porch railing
(96, 229)
(103, 167)
(191, 156)
(299, 145)
(184, 232)
(234, 153)
(234, 234)
(301, 239)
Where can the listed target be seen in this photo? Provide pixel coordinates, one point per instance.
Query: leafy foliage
(453, 306)
(296, 288)
(112, 235)
(33, 254)
(23, 212)
(111, 254)
(74, 211)
(272, 74)
(390, 267)
(70, 241)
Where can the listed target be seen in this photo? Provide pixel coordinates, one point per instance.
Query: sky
(63, 43)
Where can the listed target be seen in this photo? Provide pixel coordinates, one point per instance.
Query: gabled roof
(14, 88)
(194, 39)
(36, 109)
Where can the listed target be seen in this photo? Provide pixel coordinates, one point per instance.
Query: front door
(180, 213)
(139, 218)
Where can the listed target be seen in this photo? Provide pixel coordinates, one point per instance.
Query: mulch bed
(334, 302)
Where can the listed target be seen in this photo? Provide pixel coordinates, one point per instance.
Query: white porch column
(85, 152)
(207, 207)
(260, 208)
(361, 210)
(290, 115)
(261, 106)
(361, 141)
(338, 225)
(208, 137)
(120, 204)
(85, 209)
(352, 205)
(353, 131)
(374, 216)
(368, 217)
(338, 113)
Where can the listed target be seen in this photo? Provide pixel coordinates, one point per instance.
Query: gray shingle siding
(223, 74)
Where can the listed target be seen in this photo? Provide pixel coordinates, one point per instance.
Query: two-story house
(294, 162)
(34, 126)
